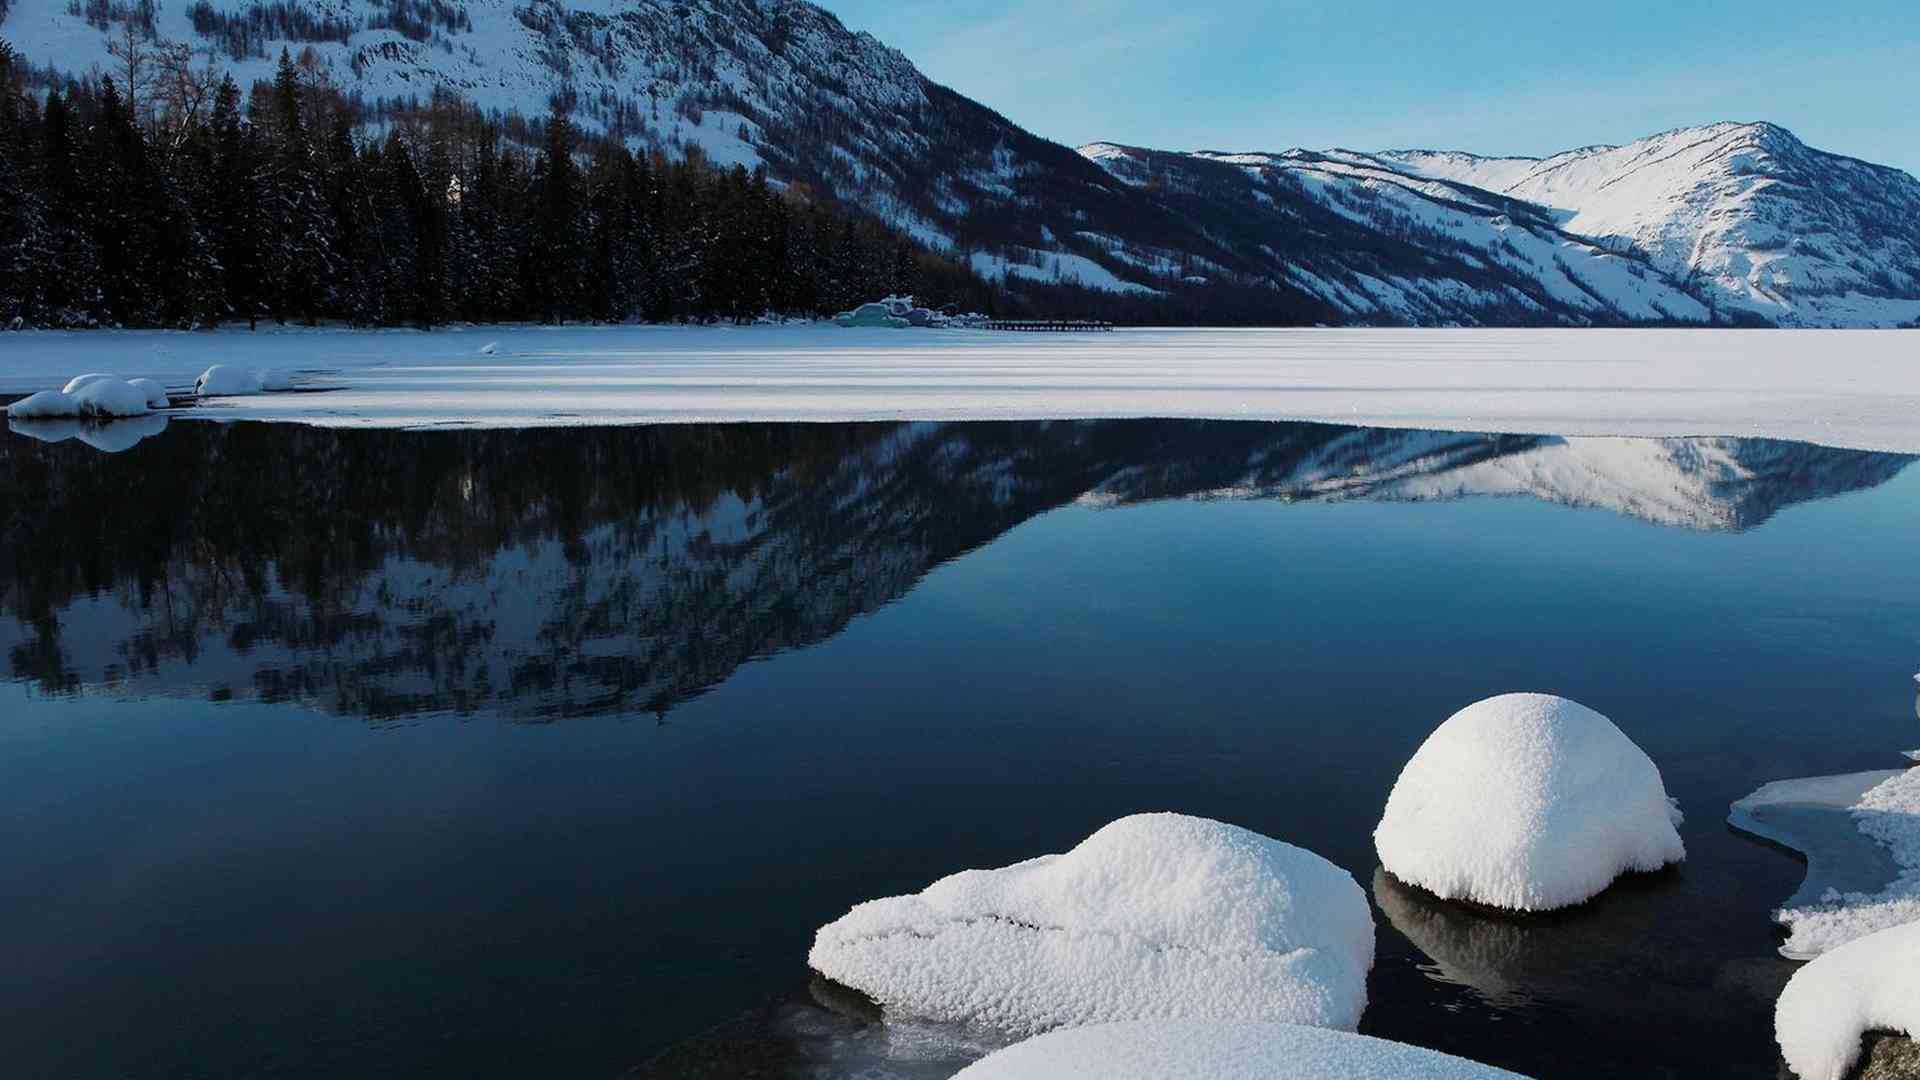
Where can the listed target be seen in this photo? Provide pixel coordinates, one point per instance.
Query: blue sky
(1496, 76)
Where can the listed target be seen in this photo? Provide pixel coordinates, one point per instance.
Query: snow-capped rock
(81, 382)
(46, 404)
(1153, 916)
(222, 380)
(1219, 1050)
(1872, 984)
(156, 394)
(96, 396)
(1527, 802)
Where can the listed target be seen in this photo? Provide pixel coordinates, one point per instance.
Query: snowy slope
(1737, 223)
(1762, 223)
(1731, 223)
(1482, 257)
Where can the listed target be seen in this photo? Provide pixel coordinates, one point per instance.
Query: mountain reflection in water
(545, 574)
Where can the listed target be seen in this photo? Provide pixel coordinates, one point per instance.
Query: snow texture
(1527, 802)
(223, 380)
(1871, 984)
(81, 382)
(1860, 879)
(1154, 916)
(1728, 206)
(94, 396)
(1219, 1050)
(156, 394)
(1863, 392)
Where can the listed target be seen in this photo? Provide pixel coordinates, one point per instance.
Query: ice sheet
(1857, 388)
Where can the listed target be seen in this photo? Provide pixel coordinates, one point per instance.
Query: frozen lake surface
(507, 753)
(1852, 388)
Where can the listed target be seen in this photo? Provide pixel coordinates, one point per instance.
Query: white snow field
(1155, 916)
(1851, 388)
(1872, 984)
(1527, 802)
(1219, 1050)
(1861, 836)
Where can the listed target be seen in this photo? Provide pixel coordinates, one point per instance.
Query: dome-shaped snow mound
(1153, 916)
(1219, 1050)
(1527, 802)
(100, 397)
(1868, 984)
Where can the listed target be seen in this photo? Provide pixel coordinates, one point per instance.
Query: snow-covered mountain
(1730, 223)
(1761, 222)
(541, 575)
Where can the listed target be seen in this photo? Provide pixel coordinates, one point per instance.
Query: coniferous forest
(169, 196)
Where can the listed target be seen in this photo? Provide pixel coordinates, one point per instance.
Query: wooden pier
(1058, 326)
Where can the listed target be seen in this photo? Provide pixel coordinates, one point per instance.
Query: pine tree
(283, 210)
(230, 204)
(556, 251)
(301, 269)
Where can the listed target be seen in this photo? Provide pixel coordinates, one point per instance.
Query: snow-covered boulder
(222, 380)
(1219, 1050)
(225, 380)
(80, 382)
(1527, 802)
(1869, 984)
(111, 398)
(47, 404)
(99, 397)
(1153, 916)
(156, 394)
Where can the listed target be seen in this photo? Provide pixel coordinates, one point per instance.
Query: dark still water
(509, 754)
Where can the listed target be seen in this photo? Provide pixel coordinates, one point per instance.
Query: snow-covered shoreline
(1858, 389)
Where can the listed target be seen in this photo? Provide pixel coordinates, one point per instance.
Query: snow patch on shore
(1827, 914)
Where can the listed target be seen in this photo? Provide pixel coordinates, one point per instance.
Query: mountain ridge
(1406, 237)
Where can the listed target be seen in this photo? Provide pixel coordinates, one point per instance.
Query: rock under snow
(156, 394)
(1527, 802)
(80, 382)
(103, 397)
(1153, 916)
(1219, 1050)
(111, 398)
(223, 380)
(1871, 984)
(46, 404)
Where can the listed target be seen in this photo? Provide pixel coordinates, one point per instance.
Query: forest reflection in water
(544, 574)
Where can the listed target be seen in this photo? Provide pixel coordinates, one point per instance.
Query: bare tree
(135, 56)
(185, 92)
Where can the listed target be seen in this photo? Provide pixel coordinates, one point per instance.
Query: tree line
(163, 195)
